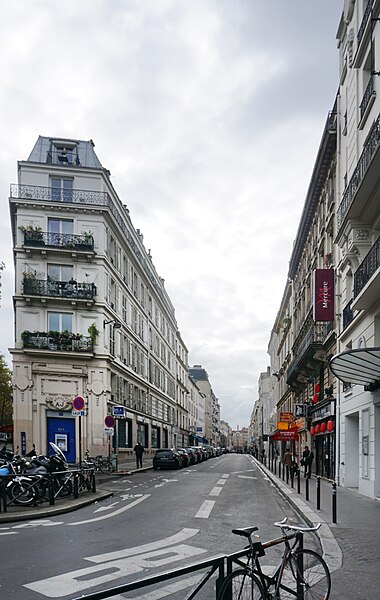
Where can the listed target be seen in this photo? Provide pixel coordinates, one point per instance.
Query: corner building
(92, 316)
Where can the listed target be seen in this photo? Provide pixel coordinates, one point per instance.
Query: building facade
(92, 316)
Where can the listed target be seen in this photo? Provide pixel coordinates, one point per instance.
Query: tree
(6, 405)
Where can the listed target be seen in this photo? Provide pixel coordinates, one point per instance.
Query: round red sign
(109, 421)
(78, 403)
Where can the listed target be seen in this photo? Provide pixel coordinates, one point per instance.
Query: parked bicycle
(102, 464)
(301, 574)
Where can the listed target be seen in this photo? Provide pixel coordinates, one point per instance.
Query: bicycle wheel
(241, 585)
(21, 493)
(312, 574)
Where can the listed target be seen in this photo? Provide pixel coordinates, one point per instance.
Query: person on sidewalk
(307, 461)
(139, 451)
(288, 461)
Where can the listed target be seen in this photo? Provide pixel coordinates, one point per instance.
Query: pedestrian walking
(288, 461)
(139, 451)
(307, 461)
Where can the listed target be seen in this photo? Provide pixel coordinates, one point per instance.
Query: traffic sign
(109, 421)
(118, 411)
(109, 431)
(78, 403)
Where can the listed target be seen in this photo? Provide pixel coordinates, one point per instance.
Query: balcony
(65, 241)
(310, 339)
(348, 314)
(58, 289)
(367, 279)
(368, 99)
(364, 178)
(64, 157)
(49, 194)
(54, 340)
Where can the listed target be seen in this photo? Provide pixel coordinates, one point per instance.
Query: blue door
(61, 431)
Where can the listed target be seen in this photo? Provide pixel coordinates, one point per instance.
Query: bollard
(93, 481)
(275, 466)
(318, 493)
(51, 490)
(76, 485)
(298, 482)
(334, 498)
(287, 475)
(292, 478)
(4, 498)
(307, 488)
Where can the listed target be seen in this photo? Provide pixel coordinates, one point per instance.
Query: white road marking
(115, 512)
(247, 477)
(225, 476)
(205, 509)
(102, 508)
(215, 491)
(82, 579)
(181, 536)
(221, 482)
(8, 532)
(164, 482)
(163, 592)
(37, 522)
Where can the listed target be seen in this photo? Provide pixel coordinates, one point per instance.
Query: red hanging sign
(324, 291)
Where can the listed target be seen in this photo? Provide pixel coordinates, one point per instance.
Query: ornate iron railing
(59, 240)
(365, 159)
(369, 92)
(55, 340)
(364, 22)
(311, 334)
(63, 157)
(39, 192)
(367, 268)
(58, 289)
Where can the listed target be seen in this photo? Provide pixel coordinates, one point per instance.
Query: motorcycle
(18, 487)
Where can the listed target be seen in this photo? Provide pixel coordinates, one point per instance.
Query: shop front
(322, 431)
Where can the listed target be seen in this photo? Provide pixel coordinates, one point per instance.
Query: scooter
(39, 469)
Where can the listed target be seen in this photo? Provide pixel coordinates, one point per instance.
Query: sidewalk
(351, 545)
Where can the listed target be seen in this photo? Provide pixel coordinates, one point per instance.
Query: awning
(360, 366)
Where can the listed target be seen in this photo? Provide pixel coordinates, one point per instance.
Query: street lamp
(116, 323)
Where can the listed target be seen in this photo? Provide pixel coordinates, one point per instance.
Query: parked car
(166, 458)
(192, 455)
(184, 455)
(198, 452)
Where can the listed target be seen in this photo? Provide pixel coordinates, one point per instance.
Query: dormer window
(63, 153)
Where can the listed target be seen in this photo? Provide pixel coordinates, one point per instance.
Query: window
(60, 272)
(60, 225)
(60, 321)
(62, 189)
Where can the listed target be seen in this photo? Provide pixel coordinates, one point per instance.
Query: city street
(155, 521)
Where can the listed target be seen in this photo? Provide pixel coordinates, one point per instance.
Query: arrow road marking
(115, 512)
(130, 496)
(106, 507)
(37, 522)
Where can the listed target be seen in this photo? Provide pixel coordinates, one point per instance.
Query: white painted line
(215, 491)
(181, 536)
(9, 533)
(221, 482)
(115, 512)
(225, 476)
(246, 477)
(205, 509)
(163, 592)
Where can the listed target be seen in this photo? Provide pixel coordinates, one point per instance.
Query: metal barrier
(213, 565)
(48, 487)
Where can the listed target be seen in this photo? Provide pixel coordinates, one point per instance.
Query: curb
(330, 548)
(42, 512)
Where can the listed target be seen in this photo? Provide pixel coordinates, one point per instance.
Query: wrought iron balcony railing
(367, 268)
(39, 192)
(365, 159)
(311, 334)
(54, 340)
(369, 92)
(58, 289)
(63, 157)
(364, 22)
(66, 241)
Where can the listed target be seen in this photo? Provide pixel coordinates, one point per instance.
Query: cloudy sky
(209, 115)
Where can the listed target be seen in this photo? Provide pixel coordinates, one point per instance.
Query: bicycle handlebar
(283, 524)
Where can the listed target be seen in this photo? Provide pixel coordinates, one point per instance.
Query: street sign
(118, 411)
(109, 431)
(78, 403)
(109, 421)
(79, 413)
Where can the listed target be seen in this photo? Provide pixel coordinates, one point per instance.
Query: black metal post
(76, 485)
(51, 490)
(318, 493)
(275, 466)
(4, 497)
(300, 579)
(93, 481)
(292, 477)
(334, 499)
(287, 475)
(307, 487)
(298, 482)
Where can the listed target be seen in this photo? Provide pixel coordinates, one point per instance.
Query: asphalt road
(155, 521)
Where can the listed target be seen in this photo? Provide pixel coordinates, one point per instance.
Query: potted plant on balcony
(33, 235)
(93, 332)
(85, 241)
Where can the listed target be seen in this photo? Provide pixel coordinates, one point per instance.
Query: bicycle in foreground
(301, 574)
